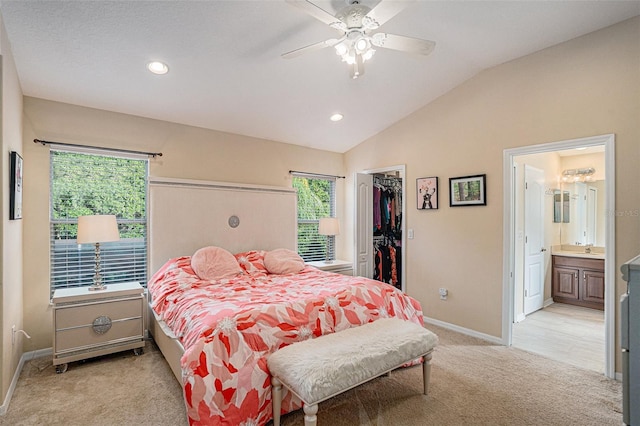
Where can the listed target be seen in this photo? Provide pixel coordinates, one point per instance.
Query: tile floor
(565, 333)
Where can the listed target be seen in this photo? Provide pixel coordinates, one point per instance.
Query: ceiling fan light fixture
(368, 54)
(341, 49)
(362, 45)
(350, 57)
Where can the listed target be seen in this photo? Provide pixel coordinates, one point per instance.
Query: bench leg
(276, 400)
(426, 372)
(310, 418)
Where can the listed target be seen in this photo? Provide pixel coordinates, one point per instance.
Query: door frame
(508, 281)
(402, 169)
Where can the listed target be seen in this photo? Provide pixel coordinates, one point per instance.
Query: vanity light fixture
(578, 175)
(158, 67)
(336, 117)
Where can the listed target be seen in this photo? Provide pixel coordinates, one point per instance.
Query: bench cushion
(320, 368)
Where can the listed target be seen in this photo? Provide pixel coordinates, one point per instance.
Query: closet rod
(291, 172)
(127, 151)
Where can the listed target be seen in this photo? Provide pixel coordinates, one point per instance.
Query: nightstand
(93, 323)
(338, 266)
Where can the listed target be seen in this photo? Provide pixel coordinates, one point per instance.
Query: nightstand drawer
(93, 323)
(86, 337)
(75, 316)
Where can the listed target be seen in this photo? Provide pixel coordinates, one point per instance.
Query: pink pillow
(214, 263)
(283, 261)
(252, 261)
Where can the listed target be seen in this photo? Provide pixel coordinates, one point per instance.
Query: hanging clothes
(387, 206)
(387, 229)
(387, 261)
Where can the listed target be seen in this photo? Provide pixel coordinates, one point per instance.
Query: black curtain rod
(315, 174)
(127, 151)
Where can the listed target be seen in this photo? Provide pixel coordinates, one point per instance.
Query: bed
(228, 327)
(217, 333)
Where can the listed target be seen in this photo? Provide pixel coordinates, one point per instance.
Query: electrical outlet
(443, 293)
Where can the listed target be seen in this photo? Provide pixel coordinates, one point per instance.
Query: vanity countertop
(582, 254)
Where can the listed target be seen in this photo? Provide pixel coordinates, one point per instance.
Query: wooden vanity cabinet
(578, 281)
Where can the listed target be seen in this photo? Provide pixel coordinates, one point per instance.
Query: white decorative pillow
(283, 261)
(214, 263)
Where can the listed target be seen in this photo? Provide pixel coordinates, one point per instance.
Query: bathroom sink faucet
(587, 248)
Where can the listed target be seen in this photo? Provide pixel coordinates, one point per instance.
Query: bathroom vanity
(578, 279)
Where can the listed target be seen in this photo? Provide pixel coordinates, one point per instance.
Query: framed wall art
(15, 194)
(427, 193)
(468, 191)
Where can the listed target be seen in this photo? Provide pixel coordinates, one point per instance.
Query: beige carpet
(473, 383)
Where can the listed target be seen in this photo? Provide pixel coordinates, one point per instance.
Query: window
(316, 199)
(85, 184)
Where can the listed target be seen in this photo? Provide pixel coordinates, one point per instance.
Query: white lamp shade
(97, 229)
(329, 226)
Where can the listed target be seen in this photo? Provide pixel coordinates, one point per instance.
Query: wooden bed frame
(186, 215)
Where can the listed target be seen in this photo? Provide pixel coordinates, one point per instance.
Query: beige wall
(188, 152)
(588, 86)
(584, 87)
(11, 267)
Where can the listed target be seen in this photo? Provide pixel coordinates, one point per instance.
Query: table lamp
(96, 229)
(329, 226)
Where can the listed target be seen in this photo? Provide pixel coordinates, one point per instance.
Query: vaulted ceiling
(226, 72)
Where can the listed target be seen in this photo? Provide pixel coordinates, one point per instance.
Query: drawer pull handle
(102, 324)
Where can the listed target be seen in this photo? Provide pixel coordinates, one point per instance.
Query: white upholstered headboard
(185, 215)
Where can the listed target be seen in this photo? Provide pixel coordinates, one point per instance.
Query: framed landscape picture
(468, 191)
(427, 193)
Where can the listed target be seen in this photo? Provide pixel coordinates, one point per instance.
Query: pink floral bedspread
(229, 327)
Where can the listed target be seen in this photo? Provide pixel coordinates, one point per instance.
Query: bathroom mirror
(561, 206)
(581, 207)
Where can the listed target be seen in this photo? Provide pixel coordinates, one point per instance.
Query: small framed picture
(15, 193)
(468, 191)
(427, 193)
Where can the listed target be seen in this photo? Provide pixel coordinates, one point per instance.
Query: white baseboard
(547, 302)
(25, 356)
(462, 330)
(521, 317)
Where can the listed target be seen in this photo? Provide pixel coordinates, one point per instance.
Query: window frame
(332, 213)
(140, 268)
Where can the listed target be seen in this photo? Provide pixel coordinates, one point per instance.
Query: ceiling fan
(357, 22)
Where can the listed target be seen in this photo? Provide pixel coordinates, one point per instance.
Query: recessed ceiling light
(582, 148)
(158, 67)
(336, 117)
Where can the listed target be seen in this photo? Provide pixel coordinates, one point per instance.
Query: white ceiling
(226, 72)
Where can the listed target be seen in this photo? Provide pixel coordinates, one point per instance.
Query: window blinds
(316, 199)
(85, 184)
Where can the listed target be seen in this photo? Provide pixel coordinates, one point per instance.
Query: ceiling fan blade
(315, 11)
(310, 48)
(384, 11)
(402, 43)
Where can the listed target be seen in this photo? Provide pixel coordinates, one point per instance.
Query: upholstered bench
(321, 368)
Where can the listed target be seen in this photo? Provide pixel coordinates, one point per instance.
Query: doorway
(511, 236)
(364, 223)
